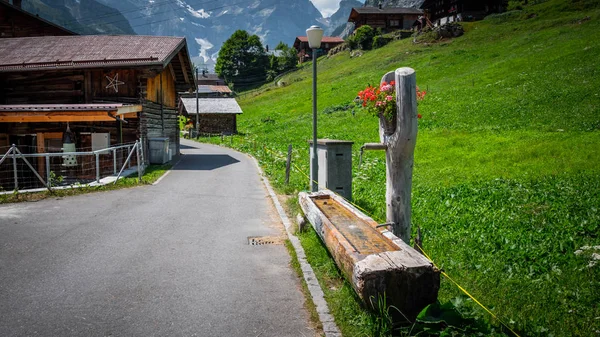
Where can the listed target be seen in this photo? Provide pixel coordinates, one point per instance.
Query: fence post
(14, 156)
(129, 149)
(114, 161)
(48, 170)
(288, 165)
(97, 167)
(139, 165)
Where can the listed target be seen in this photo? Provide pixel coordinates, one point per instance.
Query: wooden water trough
(375, 261)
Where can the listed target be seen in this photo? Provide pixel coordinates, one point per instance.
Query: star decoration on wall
(114, 82)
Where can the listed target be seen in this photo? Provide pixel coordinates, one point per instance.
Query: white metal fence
(22, 169)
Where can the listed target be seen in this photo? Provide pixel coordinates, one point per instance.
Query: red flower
(419, 116)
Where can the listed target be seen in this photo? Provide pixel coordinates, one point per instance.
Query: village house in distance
(387, 19)
(304, 51)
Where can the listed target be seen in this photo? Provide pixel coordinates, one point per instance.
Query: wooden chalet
(443, 11)
(305, 52)
(387, 19)
(122, 86)
(15, 22)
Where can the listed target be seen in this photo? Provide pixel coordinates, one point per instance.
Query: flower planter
(388, 126)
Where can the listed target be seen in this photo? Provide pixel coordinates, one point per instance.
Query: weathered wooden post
(400, 152)
(398, 138)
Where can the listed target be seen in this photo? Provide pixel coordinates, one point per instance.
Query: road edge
(318, 297)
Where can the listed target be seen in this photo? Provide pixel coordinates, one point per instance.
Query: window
(394, 23)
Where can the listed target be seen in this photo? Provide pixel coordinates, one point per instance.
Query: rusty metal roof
(326, 39)
(87, 51)
(206, 89)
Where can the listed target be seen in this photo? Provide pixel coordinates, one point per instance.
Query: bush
(351, 42)
(364, 37)
(380, 41)
(515, 5)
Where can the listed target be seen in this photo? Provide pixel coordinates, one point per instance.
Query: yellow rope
(467, 293)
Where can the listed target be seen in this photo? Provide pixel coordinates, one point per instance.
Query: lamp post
(314, 34)
(197, 107)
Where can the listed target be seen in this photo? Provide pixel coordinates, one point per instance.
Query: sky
(327, 7)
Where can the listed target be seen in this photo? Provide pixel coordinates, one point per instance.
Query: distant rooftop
(388, 10)
(212, 106)
(326, 39)
(208, 89)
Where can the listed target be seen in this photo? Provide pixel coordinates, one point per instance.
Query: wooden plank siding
(161, 89)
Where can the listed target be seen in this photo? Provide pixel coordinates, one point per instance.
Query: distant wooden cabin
(305, 52)
(15, 22)
(443, 11)
(387, 19)
(123, 86)
(216, 115)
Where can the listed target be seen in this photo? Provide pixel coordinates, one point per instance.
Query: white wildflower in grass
(578, 252)
(595, 256)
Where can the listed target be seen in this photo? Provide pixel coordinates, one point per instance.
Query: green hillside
(506, 185)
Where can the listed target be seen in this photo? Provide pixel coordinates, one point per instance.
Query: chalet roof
(326, 39)
(212, 106)
(388, 10)
(87, 51)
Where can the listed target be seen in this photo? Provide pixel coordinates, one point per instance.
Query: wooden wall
(42, 87)
(69, 87)
(101, 79)
(217, 123)
(157, 121)
(161, 89)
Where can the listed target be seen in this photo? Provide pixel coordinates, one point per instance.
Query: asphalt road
(164, 260)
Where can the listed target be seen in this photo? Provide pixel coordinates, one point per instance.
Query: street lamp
(314, 34)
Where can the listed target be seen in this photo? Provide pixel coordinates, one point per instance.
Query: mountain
(80, 16)
(395, 3)
(339, 20)
(207, 24)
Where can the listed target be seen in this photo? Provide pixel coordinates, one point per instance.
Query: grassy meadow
(506, 185)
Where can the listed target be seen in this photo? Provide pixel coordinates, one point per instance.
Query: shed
(388, 19)
(216, 115)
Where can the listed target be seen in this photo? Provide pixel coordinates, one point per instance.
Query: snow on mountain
(207, 24)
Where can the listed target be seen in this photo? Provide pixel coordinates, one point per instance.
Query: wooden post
(288, 165)
(400, 152)
(41, 148)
